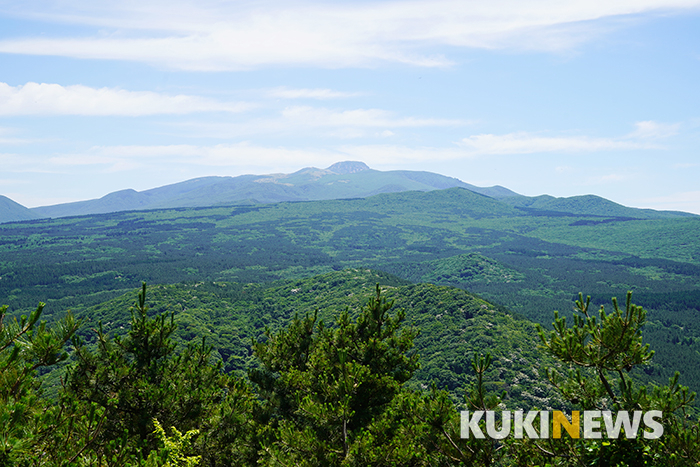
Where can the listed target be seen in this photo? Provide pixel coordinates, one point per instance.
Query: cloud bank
(210, 35)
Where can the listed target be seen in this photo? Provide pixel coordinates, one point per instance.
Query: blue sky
(543, 97)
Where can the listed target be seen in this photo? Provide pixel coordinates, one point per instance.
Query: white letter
(623, 418)
(471, 424)
(658, 428)
(527, 424)
(590, 425)
(491, 425)
(544, 424)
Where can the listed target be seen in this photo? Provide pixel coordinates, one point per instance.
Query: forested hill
(587, 204)
(533, 261)
(454, 325)
(332, 387)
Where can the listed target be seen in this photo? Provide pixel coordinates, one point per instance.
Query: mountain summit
(348, 167)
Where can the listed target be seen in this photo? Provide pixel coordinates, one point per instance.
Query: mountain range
(342, 180)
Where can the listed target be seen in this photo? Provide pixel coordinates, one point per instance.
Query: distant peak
(348, 167)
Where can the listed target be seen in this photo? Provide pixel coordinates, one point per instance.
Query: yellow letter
(559, 420)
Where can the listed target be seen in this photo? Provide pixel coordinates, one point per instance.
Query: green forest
(325, 391)
(345, 332)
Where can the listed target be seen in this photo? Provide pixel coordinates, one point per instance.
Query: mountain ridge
(342, 180)
(11, 211)
(587, 204)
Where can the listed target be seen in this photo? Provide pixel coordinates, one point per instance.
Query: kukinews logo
(591, 424)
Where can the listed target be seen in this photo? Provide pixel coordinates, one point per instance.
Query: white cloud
(319, 117)
(654, 130)
(344, 124)
(22, 163)
(527, 143)
(350, 124)
(5, 158)
(30, 200)
(54, 99)
(7, 181)
(322, 94)
(211, 35)
(609, 178)
(347, 133)
(12, 140)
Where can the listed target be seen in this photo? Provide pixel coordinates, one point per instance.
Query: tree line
(322, 394)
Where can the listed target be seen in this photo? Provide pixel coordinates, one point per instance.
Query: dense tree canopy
(320, 394)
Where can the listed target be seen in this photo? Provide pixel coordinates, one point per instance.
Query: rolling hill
(454, 325)
(586, 204)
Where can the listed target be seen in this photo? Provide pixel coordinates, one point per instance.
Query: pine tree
(140, 377)
(601, 351)
(324, 385)
(25, 346)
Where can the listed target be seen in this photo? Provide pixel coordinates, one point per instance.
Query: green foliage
(466, 269)
(229, 436)
(323, 386)
(454, 325)
(335, 396)
(139, 377)
(27, 345)
(611, 344)
(172, 453)
(324, 394)
(601, 351)
(419, 429)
